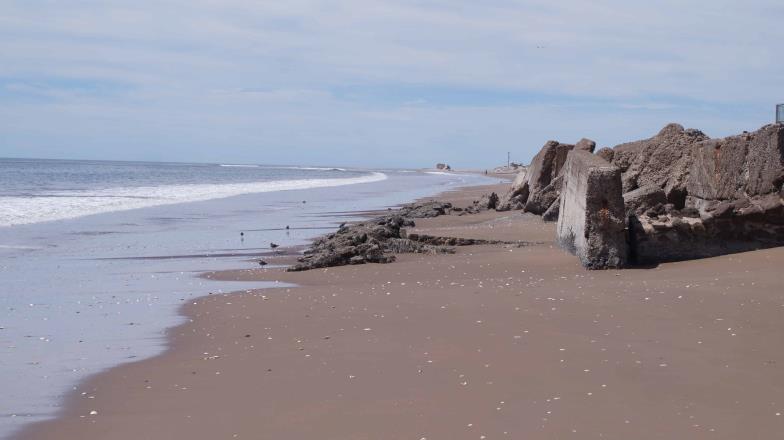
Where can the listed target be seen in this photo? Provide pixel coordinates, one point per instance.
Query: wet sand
(492, 342)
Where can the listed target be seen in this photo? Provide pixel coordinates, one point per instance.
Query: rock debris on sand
(379, 239)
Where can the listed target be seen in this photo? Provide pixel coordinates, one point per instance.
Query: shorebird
(273, 245)
(262, 263)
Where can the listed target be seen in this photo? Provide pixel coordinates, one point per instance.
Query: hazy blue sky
(378, 83)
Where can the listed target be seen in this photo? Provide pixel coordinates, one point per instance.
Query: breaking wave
(67, 204)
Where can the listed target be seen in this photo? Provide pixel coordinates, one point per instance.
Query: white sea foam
(313, 168)
(20, 247)
(440, 173)
(229, 165)
(61, 205)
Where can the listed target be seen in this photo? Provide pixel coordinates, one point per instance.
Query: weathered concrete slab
(736, 167)
(543, 183)
(517, 195)
(591, 220)
(644, 198)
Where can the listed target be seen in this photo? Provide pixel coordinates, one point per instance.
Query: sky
(376, 83)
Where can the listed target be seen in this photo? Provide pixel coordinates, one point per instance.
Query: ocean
(96, 257)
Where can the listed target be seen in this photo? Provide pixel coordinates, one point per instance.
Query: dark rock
(492, 201)
(487, 201)
(690, 212)
(379, 239)
(425, 210)
(551, 215)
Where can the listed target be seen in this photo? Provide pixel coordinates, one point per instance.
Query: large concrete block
(591, 222)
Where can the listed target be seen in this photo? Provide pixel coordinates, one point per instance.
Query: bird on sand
(273, 245)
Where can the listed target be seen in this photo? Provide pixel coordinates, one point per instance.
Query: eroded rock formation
(537, 189)
(684, 195)
(662, 160)
(517, 195)
(379, 239)
(732, 201)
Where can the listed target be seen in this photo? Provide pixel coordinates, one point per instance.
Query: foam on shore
(67, 204)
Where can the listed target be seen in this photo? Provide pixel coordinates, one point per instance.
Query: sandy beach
(493, 342)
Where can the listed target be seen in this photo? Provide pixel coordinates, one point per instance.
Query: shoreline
(283, 256)
(490, 341)
(114, 282)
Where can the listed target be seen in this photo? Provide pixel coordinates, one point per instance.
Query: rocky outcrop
(663, 160)
(732, 192)
(606, 154)
(591, 221)
(379, 239)
(517, 195)
(536, 189)
(486, 202)
(688, 234)
(684, 195)
(428, 209)
(544, 184)
(585, 145)
(737, 167)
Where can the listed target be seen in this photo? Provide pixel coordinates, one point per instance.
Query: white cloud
(250, 76)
